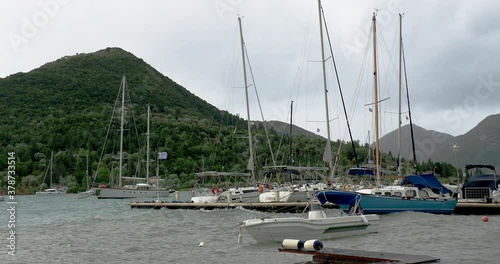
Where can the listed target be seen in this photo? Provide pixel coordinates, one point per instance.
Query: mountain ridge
(480, 145)
(65, 106)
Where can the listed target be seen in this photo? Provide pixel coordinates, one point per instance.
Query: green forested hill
(65, 106)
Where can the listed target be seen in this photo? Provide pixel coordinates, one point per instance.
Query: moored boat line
(461, 208)
(279, 207)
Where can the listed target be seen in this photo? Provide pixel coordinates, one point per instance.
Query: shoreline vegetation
(64, 106)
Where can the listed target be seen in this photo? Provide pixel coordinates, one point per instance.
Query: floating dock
(298, 207)
(276, 207)
(347, 256)
(477, 208)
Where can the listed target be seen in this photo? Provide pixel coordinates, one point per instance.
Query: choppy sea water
(64, 229)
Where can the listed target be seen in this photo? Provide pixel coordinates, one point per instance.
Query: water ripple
(67, 230)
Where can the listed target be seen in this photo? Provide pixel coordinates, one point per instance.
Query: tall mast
(51, 161)
(369, 148)
(400, 173)
(121, 132)
(147, 149)
(328, 144)
(251, 165)
(88, 171)
(291, 133)
(291, 139)
(375, 79)
(158, 166)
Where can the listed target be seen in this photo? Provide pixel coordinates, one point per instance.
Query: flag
(162, 155)
(250, 164)
(327, 155)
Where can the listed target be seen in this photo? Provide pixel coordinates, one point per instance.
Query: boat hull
(205, 199)
(270, 196)
(277, 229)
(286, 196)
(240, 198)
(380, 204)
(222, 198)
(86, 193)
(48, 193)
(117, 193)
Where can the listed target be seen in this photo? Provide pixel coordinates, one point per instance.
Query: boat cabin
(482, 185)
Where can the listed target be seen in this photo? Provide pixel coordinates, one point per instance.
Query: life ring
(261, 189)
(215, 190)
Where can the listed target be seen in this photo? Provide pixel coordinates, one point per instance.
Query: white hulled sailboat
(138, 190)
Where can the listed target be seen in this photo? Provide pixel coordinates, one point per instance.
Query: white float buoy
(294, 244)
(313, 245)
(202, 244)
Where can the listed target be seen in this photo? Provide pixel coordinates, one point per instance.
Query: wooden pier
(276, 207)
(347, 256)
(297, 207)
(477, 208)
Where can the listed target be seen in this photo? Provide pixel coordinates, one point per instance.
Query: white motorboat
(247, 194)
(235, 194)
(295, 193)
(50, 192)
(139, 190)
(317, 225)
(88, 193)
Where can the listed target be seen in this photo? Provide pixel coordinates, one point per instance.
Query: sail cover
(338, 197)
(425, 181)
(361, 171)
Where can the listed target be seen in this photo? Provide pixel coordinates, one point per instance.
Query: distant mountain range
(481, 145)
(283, 128)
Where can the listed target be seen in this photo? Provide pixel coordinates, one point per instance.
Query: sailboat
(303, 192)
(50, 190)
(317, 225)
(420, 193)
(138, 190)
(292, 192)
(248, 193)
(89, 191)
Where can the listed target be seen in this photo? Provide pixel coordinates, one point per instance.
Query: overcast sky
(451, 49)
